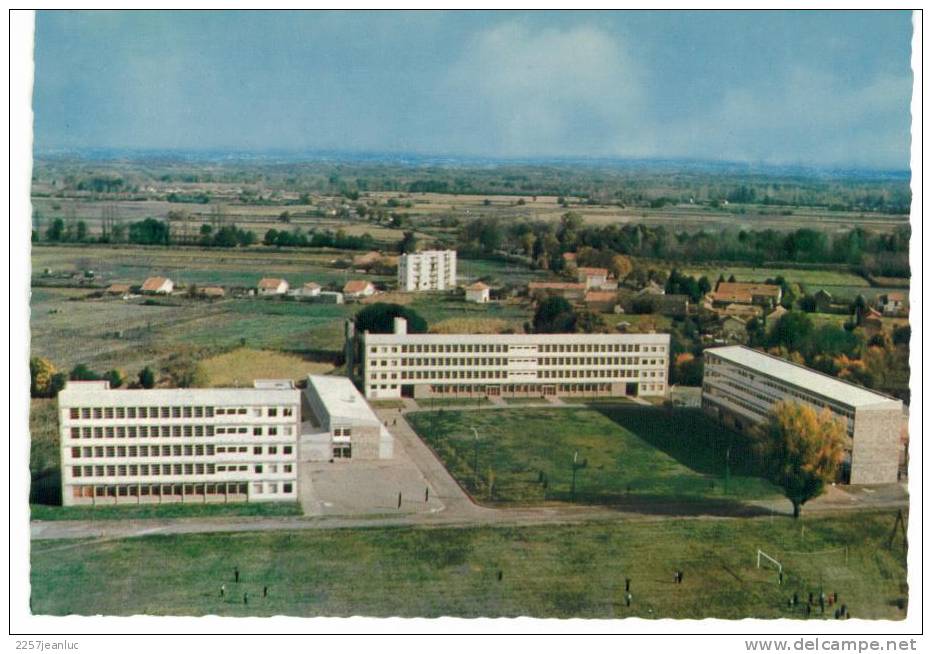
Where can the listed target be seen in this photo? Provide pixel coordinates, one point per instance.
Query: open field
(241, 366)
(632, 452)
(550, 571)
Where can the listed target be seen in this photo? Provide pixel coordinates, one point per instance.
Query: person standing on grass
(245, 598)
(628, 598)
(265, 591)
(236, 574)
(223, 590)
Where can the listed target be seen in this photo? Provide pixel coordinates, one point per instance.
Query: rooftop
(517, 339)
(477, 286)
(264, 392)
(270, 282)
(797, 375)
(342, 400)
(356, 286)
(154, 283)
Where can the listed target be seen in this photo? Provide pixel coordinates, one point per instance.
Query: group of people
(223, 588)
(831, 601)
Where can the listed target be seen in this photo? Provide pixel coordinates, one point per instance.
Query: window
(286, 411)
(257, 431)
(272, 450)
(74, 413)
(273, 431)
(258, 468)
(257, 450)
(273, 412)
(286, 449)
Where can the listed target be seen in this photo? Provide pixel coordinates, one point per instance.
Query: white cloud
(547, 91)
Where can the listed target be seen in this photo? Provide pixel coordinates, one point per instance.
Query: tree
(621, 266)
(408, 243)
(791, 330)
(146, 377)
(379, 318)
(82, 373)
(554, 315)
(802, 450)
(185, 372)
(56, 230)
(81, 231)
(41, 372)
(116, 377)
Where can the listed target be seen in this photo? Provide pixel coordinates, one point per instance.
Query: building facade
(339, 424)
(740, 387)
(430, 270)
(513, 365)
(178, 445)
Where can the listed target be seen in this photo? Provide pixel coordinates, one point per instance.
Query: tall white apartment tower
(179, 445)
(431, 270)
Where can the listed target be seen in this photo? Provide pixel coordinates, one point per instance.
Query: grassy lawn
(143, 511)
(241, 366)
(815, 278)
(526, 400)
(632, 453)
(550, 571)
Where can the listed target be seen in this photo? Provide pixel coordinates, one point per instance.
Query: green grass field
(144, 511)
(558, 571)
(632, 453)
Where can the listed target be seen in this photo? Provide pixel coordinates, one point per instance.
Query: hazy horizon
(826, 90)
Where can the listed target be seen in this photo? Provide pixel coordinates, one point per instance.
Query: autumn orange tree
(801, 450)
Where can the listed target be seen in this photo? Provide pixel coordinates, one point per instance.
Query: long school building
(178, 445)
(513, 365)
(740, 387)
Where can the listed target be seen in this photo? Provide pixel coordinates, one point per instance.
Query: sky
(811, 88)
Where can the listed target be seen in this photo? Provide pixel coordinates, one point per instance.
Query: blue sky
(825, 89)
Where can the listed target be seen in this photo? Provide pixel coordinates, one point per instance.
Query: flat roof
(802, 377)
(342, 400)
(518, 339)
(83, 393)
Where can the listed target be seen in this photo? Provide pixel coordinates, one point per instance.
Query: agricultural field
(633, 454)
(241, 366)
(558, 571)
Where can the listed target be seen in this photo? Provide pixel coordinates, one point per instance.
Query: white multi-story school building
(740, 387)
(178, 445)
(513, 365)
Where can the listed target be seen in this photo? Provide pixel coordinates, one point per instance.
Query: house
(309, 289)
(872, 323)
(157, 286)
(477, 292)
(118, 289)
(592, 277)
(652, 288)
(272, 286)
(891, 304)
(570, 291)
(823, 300)
(569, 258)
(212, 291)
(601, 300)
(766, 295)
(775, 315)
(742, 311)
(358, 288)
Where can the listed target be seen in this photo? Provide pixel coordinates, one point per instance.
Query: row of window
(482, 348)
(142, 412)
(122, 451)
(177, 490)
(156, 469)
(174, 431)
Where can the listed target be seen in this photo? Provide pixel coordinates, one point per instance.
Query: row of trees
(544, 243)
(45, 380)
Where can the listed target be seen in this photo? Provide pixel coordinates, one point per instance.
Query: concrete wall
(876, 453)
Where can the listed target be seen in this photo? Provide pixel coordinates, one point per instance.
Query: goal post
(763, 555)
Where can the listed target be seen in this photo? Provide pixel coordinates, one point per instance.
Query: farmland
(559, 571)
(632, 454)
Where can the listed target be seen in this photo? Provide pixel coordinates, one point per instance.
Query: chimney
(401, 326)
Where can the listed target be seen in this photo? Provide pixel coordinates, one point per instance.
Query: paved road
(458, 510)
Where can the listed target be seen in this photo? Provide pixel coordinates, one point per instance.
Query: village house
(309, 289)
(891, 304)
(652, 288)
(823, 300)
(157, 286)
(477, 292)
(357, 288)
(366, 260)
(592, 277)
(604, 301)
(118, 289)
(272, 286)
(765, 295)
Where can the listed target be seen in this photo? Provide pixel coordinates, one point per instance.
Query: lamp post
(475, 459)
(727, 466)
